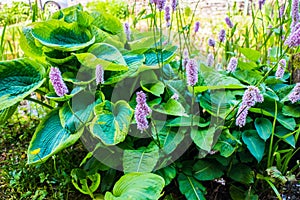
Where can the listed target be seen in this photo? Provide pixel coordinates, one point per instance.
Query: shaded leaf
(254, 143)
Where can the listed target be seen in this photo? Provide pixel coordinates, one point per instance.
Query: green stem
(39, 102)
(270, 153)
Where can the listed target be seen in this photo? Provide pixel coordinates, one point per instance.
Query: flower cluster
(57, 82)
(142, 110)
(228, 22)
(295, 12)
(99, 75)
(160, 4)
(167, 16)
(294, 38)
(281, 11)
(185, 58)
(261, 3)
(222, 35)
(197, 26)
(232, 64)
(250, 97)
(127, 31)
(174, 5)
(294, 96)
(211, 42)
(192, 72)
(280, 69)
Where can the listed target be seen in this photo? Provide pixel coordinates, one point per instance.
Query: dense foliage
(149, 105)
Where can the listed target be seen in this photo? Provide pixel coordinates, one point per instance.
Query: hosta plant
(145, 106)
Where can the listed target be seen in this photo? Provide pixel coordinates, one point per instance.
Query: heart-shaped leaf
(263, 127)
(254, 143)
(112, 122)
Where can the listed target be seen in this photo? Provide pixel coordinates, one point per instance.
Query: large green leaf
(203, 138)
(226, 144)
(28, 45)
(254, 143)
(291, 111)
(207, 170)
(251, 54)
(287, 122)
(219, 103)
(112, 121)
(214, 80)
(168, 173)
(187, 121)
(141, 160)
(18, 79)
(144, 43)
(170, 140)
(251, 77)
(241, 173)
(49, 138)
(137, 186)
(107, 22)
(263, 127)
(156, 88)
(106, 55)
(6, 113)
(153, 57)
(284, 134)
(172, 107)
(60, 35)
(191, 188)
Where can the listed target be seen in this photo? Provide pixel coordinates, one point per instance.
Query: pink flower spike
(57, 82)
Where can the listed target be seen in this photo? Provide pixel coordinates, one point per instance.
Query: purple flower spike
(142, 110)
(99, 75)
(127, 31)
(232, 64)
(261, 3)
(160, 4)
(251, 96)
(174, 5)
(210, 60)
(294, 38)
(222, 35)
(241, 116)
(280, 69)
(281, 11)
(197, 26)
(211, 42)
(167, 16)
(57, 82)
(192, 72)
(295, 12)
(295, 95)
(228, 22)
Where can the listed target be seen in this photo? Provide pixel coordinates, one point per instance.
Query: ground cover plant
(149, 115)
